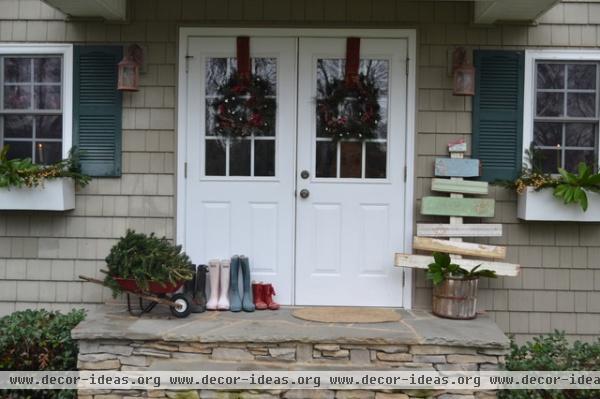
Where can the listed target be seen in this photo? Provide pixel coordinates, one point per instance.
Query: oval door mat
(346, 315)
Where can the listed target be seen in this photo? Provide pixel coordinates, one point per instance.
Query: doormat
(346, 315)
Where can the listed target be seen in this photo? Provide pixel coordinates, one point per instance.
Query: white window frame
(66, 52)
(533, 56)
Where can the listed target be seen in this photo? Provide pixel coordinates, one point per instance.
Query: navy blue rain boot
(247, 301)
(235, 300)
(199, 301)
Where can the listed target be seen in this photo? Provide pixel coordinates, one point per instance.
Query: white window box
(542, 205)
(53, 195)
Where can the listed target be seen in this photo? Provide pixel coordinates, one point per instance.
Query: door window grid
(341, 162)
(31, 106)
(566, 114)
(218, 150)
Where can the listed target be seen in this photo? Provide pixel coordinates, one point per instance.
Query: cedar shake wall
(42, 253)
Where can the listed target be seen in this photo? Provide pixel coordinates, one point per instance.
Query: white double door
(334, 245)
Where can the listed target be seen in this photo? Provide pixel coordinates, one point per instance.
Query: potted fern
(454, 288)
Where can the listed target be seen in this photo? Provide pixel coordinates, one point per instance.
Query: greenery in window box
(442, 268)
(38, 340)
(146, 258)
(552, 352)
(568, 187)
(24, 173)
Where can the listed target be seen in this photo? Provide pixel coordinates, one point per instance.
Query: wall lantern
(129, 68)
(464, 74)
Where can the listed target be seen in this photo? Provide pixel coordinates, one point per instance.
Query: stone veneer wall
(159, 355)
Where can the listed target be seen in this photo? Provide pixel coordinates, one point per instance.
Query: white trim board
(182, 98)
(531, 56)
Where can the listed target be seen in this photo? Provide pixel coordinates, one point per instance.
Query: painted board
(459, 186)
(459, 248)
(422, 261)
(459, 230)
(466, 207)
(456, 167)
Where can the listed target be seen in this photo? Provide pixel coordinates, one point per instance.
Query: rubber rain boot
(213, 275)
(268, 293)
(199, 299)
(223, 302)
(247, 302)
(189, 286)
(235, 299)
(257, 294)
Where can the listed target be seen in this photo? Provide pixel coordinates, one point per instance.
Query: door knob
(304, 174)
(304, 193)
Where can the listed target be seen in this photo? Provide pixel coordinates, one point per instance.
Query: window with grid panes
(31, 106)
(565, 124)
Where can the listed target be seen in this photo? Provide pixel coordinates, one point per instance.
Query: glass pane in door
(352, 158)
(248, 156)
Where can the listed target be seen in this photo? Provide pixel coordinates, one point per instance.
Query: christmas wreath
(349, 111)
(244, 107)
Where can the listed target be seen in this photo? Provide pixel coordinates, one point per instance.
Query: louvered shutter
(498, 113)
(97, 109)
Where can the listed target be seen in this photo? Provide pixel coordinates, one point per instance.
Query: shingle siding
(42, 255)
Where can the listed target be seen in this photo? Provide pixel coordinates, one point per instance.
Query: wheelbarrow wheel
(184, 308)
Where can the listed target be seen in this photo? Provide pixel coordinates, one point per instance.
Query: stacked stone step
(450, 174)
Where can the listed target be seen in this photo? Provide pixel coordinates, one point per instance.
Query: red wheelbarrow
(155, 294)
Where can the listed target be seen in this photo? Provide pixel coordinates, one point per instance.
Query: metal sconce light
(464, 74)
(129, 68)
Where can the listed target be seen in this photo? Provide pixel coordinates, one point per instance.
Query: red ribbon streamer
(352, 60)
(243, 58)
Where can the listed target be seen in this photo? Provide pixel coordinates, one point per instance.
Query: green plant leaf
(441, 258)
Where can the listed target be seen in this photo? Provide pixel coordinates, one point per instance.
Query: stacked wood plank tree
(450, 174)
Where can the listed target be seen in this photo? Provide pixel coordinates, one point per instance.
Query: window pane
(573, 158)
(550, 76)
(18, 126)
(376, 157)
(549, 160)
(266, 68)
(581, 76)
(18, 149)
(17, 97)
(580, 135)
(581, 105)
(46, 69)
(326, 159)
(17, 70)
(547, 134)
(214, 163)
(550, 104)
(216, 73)
(47, 97)
(47, 152)
(48, 126)
(264, 158)
(351, 159)
(239, 158)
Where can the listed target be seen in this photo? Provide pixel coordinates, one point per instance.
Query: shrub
(146, 258)
(552, 352)
(33, 340)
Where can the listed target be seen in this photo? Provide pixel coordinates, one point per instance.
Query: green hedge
(552, 352)
(33, 340)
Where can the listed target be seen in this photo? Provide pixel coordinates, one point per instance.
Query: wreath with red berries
(349, 111)
(245, 107)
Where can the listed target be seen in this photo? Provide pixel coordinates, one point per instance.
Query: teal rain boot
(247, 302)
(235, 300)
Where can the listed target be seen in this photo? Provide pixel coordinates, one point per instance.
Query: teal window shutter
(97, 109)
(498, 113)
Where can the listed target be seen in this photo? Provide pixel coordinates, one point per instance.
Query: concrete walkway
(415, 327)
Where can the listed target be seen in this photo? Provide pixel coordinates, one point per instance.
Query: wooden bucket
(456, 298)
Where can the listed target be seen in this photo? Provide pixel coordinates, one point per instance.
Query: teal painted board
(456, 167)
(460, 186)
(466, 207)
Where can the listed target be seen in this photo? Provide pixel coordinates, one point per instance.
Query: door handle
(304, 193)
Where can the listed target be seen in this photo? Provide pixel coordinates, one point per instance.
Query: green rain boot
(247, 302)
(235, 300)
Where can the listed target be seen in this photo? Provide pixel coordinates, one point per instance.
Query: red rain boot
(268, 292)
(258, 294)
